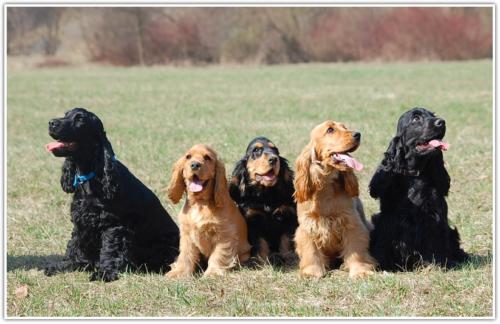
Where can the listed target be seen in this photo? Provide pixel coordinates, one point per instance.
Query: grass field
(153, 115)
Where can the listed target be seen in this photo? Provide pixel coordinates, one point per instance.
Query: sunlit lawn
(153, 115)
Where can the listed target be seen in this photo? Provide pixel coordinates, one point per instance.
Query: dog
(411, 183)
(211, 224)
(326, 192)
(262, 186)
(118, 223)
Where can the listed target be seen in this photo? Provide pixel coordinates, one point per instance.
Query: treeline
(156, 35)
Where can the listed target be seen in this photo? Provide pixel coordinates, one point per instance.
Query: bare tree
(20, 22)
(48, 23)
(139, 17)
(28, 27)
(146, 35)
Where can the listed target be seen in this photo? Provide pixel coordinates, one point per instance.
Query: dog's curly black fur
(118, 223)
(267, 205)
(412, 228)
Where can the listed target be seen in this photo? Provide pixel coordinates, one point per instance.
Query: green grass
(153, 115)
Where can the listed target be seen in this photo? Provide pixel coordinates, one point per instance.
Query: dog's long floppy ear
(394, 157)
(237, 186)
(110, 177)
(307, 174)
(379, 183)
(220, 188)
(394, 160)
(285, 172)
(285, 178)
(351, 185)
(68, 175)
(177, 186)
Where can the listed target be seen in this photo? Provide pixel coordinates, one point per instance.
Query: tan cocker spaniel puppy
(210, 222)
(331, 218)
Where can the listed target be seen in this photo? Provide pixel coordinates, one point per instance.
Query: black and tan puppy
(262, 186)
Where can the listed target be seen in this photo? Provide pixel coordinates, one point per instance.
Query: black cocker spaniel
(118, 223)
(411, 183)
(262, 187)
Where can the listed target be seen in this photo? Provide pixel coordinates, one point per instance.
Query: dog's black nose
(273, 160)
(195, 165)
(54, 123)
(439, 122)
(356, 135)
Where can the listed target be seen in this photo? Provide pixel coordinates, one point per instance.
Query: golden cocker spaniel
(210, 222)
(331, 218)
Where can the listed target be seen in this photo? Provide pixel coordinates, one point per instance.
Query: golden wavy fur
(210, 222)
(330, 213)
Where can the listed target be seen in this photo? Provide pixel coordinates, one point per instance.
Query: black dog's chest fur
(90, 219)
(417, 196)
(262, 209)
(266, 220)
(85, 216)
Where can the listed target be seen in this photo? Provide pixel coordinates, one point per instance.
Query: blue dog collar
(80, 179)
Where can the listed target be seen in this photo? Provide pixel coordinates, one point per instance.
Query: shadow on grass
(27, 262)
(275, 261)
(476, 261)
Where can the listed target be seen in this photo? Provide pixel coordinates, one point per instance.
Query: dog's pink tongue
(350, 161)
(440, 144)
(195, 186)
(269, 176)
(54, 145)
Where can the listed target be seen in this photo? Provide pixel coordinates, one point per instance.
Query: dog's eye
(256, 152)
(330, 130)
(207, 158)
(416, 118)
(188, 156)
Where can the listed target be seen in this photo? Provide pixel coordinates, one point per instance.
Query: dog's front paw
(277, 260)
(177, 274)
(361, 271)
(106, 276)
(50, 270)
(214, 272)
(253, 263)
(314, 271)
